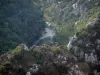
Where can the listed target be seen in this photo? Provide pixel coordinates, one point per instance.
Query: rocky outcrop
(42, 60)
(86, 47)
(80, 57)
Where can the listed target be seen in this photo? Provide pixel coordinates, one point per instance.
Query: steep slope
(69, 16)
(80, 57)
(21, 21)
(85, 45)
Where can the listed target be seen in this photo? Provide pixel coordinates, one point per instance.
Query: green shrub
(17, 50)
(1, 68)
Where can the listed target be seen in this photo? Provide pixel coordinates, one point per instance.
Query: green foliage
(82, 33)
(62, 33)
(1, 68)
(63, 16)
(37, 3)
(84, 66)
(38, 56)
(91, 17)
(54, 49)
(17, 50)
(21, 21)
(59, 49)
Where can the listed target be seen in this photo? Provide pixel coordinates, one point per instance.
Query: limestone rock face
(89, 49)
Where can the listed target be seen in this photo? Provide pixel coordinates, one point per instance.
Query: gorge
(49, 37)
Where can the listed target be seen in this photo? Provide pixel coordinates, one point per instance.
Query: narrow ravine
(47, 33)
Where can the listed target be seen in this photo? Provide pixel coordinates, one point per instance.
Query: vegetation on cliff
(24, 21)
(70, 16)
(42, 60)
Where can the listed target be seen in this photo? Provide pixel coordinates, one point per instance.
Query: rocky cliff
(80, 57)
(85, 45)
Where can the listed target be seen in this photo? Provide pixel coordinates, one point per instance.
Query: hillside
(49, 37)
(21, 21)
(85, 45)
(69, 16)
(80, 57)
